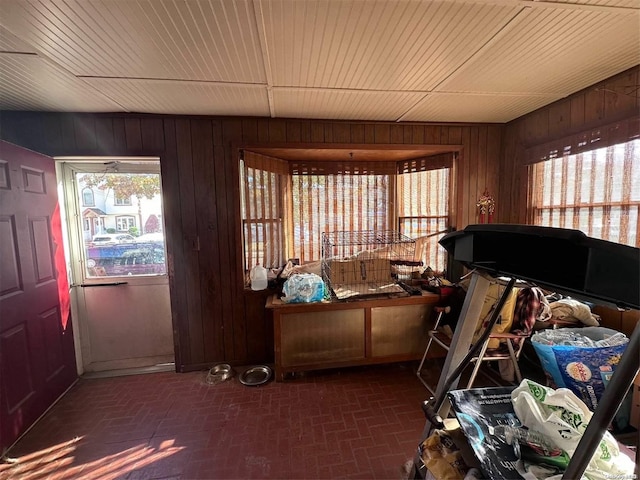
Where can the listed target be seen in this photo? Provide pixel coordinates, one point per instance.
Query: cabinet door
(399, 330)
(322, 337)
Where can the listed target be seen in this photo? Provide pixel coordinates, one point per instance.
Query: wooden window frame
(293, 171)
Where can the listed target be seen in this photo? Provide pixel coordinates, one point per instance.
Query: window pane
(597, 192)
(261, 207)
(423, 211)
(335, 203)
(112, 246)
(87, 197)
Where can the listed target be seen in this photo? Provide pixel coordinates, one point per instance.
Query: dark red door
(37, 362)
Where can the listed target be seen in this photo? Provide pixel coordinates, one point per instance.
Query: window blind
(262, 210)
(604, 136)
(597, 192)
(329, 203)
(423, 212)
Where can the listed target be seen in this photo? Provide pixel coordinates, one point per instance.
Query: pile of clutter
(532, 436)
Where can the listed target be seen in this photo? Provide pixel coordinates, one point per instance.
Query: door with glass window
(120, 285)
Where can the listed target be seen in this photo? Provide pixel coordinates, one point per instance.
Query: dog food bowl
(254, 376)
(219, 373)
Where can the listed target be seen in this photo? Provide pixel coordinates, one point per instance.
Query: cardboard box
(343, 271)
(360, 271)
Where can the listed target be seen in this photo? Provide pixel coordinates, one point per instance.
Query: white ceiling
(394, 60)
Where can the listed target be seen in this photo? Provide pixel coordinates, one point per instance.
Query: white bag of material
(303, 288)
(563, 418)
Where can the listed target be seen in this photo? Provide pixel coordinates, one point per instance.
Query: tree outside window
(124, 186)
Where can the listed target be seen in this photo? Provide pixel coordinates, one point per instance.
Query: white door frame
(66, 167)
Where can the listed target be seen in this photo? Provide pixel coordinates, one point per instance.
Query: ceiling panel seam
(577, 6)
(178, 80)
(502, 31)
(64, 72)
(258, 15)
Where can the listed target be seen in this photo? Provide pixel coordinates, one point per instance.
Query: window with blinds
(596, 191)
(262, 210)
(423, 212)
(286, 206)
(333, 203)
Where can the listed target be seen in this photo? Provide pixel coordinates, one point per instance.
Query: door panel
(19, 380)
(41, 246)
(121, 284)
(10, 280)
(124, 330)
(37, 359)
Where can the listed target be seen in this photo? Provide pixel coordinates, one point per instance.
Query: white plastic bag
(303, 288)
(563, 418)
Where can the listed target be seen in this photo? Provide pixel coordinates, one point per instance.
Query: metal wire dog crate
(365, 262)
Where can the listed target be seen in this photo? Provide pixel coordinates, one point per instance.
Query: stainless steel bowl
(219, 373)
(254, 376)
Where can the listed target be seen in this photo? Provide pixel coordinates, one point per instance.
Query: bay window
(286, 205)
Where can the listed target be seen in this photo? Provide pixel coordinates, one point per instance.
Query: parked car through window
(126, 259)
(112, 239)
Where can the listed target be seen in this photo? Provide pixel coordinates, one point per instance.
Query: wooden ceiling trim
(351, 152)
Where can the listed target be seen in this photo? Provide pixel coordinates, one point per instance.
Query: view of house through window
(597, 192)
(285, 213)
(122, 238)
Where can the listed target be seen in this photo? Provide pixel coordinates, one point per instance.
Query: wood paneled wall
(612, 100)
(214, 317)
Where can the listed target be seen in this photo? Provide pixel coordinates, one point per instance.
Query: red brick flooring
(353, 423)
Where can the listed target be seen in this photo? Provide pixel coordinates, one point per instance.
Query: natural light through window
(287, 207)
(597, 192)
(336, 203)
(423, 211)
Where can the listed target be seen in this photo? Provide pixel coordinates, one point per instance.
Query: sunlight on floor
(60, 461)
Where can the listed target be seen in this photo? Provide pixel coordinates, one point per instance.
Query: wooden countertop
(274, 302)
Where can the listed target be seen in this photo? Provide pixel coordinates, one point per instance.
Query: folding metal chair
(514, 343)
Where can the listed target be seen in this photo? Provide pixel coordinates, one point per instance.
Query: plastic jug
(258, 277)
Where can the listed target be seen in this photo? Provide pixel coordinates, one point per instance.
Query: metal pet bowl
(219, 373)
(254, 376)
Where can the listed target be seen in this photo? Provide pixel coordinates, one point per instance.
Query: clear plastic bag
(303, 288)
(581, 359)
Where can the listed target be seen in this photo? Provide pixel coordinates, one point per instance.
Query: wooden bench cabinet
(314, 336)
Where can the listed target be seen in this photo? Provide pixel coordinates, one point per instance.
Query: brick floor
(352, 423)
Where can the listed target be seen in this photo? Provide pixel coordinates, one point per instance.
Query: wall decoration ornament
(487, 206)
